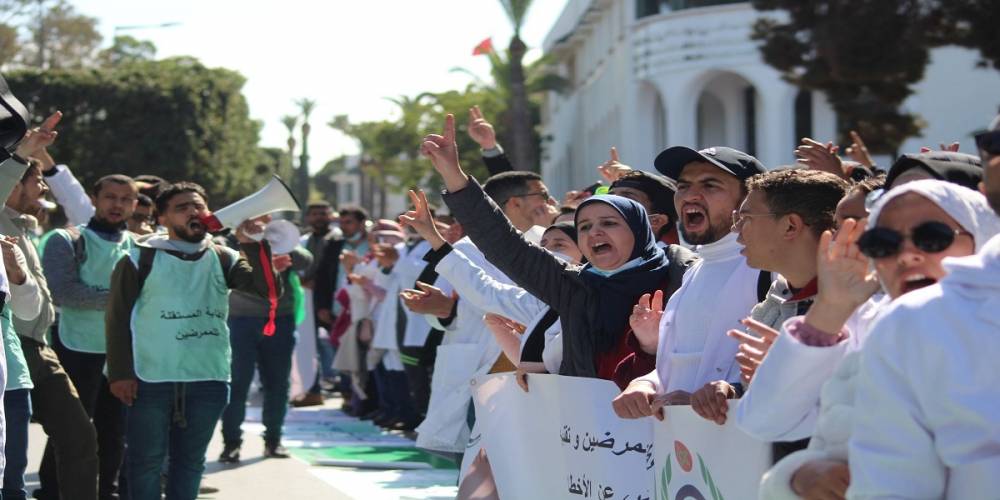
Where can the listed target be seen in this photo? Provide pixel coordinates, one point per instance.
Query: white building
(353, 188)
(647, 74)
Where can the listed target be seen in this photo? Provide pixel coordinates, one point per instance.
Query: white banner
(562, 440)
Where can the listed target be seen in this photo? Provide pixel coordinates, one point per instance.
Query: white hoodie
(930, 385)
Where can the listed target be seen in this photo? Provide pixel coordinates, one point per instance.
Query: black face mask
(929, 237)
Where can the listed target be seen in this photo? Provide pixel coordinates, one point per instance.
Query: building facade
(648, 74)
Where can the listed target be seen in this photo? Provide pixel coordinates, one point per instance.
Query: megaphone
(274, 197)
(283, 236)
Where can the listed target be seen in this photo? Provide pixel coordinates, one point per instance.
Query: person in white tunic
(938, 220)
(928, 379)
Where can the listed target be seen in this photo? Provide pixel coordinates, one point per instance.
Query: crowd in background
(846, 312)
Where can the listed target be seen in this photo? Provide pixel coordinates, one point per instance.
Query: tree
(866, 55)
(174, 118)
(539, 80)
(61, 38)
(306, 106)
(523, 151)
(290, 122)
(127, 49)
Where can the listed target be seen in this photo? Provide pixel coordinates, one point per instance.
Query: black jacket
(554, 282)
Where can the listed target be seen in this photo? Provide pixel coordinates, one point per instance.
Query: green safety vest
(82, 330)
(179, 330)
(18, 376)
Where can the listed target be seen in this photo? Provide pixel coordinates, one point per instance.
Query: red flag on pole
(484, 47)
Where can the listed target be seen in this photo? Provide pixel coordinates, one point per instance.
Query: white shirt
(929, 385)
(70, 195)
(717, 292)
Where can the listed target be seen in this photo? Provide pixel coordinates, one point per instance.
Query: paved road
(287, 479)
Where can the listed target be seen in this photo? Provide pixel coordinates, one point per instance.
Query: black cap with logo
(672, 161)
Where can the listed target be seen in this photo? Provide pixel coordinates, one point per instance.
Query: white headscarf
(969, 208)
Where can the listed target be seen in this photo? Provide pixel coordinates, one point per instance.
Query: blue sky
(346, 55)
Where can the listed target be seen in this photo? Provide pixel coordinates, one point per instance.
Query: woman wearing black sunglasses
(912, 228)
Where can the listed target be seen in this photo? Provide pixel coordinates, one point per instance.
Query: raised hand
(443, 153)
(13, 261)
(39, 138)
(613, 169)
(819, 156)
(428, 300)
(752, 349)
(481, 130)
(844, 280)
(385, 254)
(712, 401)
(859, 152)
(421, 221)
(645, 321)
(349, 259)
(951, 148)
(507, 333)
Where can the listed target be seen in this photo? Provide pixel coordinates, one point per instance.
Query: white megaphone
(274, 197)
(283, 236)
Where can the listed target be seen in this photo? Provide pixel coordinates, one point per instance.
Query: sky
(347, 55)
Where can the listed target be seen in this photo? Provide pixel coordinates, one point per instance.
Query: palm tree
(290, 121)
(306, 106)
(523, 152)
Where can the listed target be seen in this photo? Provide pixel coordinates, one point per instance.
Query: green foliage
(173, 118)
(866, 55)
(127, 49)
(61, 37)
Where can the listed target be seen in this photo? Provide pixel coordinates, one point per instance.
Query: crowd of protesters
(846, 313)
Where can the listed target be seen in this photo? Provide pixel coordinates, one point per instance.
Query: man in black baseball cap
(710, 186)
(718, 291)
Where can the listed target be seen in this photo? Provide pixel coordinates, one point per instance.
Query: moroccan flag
(484, 47)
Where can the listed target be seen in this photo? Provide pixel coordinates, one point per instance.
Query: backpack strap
(146, 256)
(225, 260)
(763, 285)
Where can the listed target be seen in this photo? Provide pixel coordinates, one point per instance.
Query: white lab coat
(783, 400)
(717, 292)
(928, 385)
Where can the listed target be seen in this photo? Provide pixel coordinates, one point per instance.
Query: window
(750, 125)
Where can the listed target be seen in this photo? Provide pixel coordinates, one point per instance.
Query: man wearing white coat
(928, 380)
(718, 291)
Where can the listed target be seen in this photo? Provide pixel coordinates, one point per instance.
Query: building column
(776, 141)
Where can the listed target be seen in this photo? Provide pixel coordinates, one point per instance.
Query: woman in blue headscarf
(594, 301)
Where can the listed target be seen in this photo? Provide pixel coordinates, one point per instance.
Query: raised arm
(534, 269)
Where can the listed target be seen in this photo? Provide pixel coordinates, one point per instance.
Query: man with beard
(168, 342)
(718, 290)
(927, 381)
(54, 400)
(322, 238)
(78, 264)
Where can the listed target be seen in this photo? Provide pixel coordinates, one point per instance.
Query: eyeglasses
(929, 237)
(544, 194)
(739, 218)
(989, 143)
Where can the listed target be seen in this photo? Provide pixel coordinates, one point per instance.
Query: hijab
(969, 208)
(619, 290)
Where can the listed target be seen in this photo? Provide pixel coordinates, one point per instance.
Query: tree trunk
(303, 172)
(522, 149)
